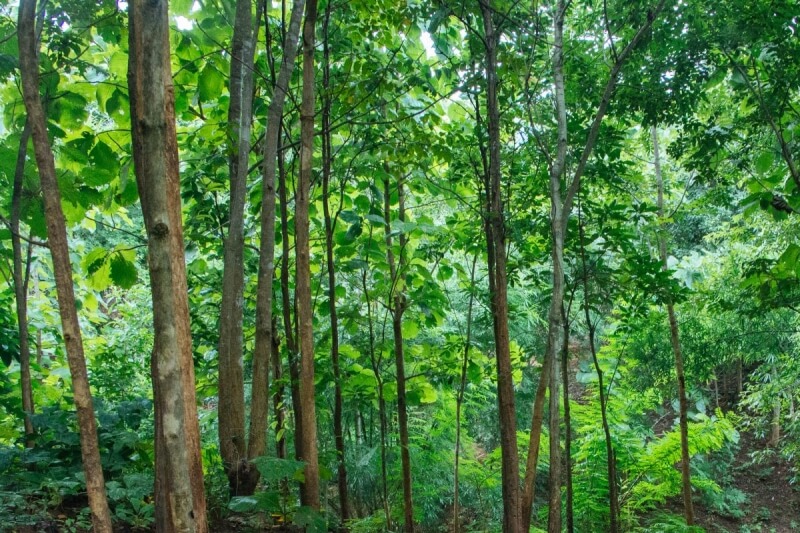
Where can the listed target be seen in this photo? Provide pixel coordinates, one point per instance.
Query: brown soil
(773, 503)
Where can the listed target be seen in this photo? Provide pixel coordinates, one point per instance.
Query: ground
(773, 503)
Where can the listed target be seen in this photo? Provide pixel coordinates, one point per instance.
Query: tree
(235, 450)
(180, 496)
(309, 493)
(498, 285)
(675, 341)
(59, 251)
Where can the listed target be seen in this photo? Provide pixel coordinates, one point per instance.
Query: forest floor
(773, 503)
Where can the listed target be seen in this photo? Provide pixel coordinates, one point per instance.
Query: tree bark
(21, 277)
(570, 514)
(62, 268)
(674, 337)
(557, 217)
(180, 496)
(309, 489)
(266, 263)
(499, 296)
(234, 450)
(327, 162)
(397, 305)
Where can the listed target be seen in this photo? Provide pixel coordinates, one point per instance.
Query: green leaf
(268, 501)
(764, 162)
(123, 272)
(210, 83)
(313, 521)
(410, 329)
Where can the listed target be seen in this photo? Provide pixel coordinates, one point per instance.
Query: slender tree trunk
(560, 212)
(291, 345)
(62, 268)
(327, 156)
(460, 395)
(499, 297)
(180, 497)
(611, 460)
(309, 489)
(21, 277)
(537, 419)
(266, 263)
(376, 369)
(775, 426)
(277, 398)
(242, 477)
(557, 216)
(570, 514)
(397, 305)
(676, 348)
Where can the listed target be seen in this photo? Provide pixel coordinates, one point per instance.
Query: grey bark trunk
(234, 450)
(266, 263)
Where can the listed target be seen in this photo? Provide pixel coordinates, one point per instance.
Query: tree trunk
(62, 268)
(375, 362)
(676, 348)
(242, 477)
(327, 156)
(277, 399)
(266, 262)
(775, 426)
(21, 277)
(291, 345)
(180, 496)
(309, 489)
(397, 305)
(570, 514)
(557, 216)
(611, 460)
(537, 419)
(460, 395)
(499, 296)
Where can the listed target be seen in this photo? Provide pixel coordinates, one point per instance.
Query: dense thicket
(399, 265)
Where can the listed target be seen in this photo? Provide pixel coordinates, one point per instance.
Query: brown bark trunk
(674, 337)
(537, 419)
(327, 156)
(21, 277)
(397, 305)
(62, 268)
(309, 489)
(180, 496)
(499, 297)
(234, 450)
(266, 263)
